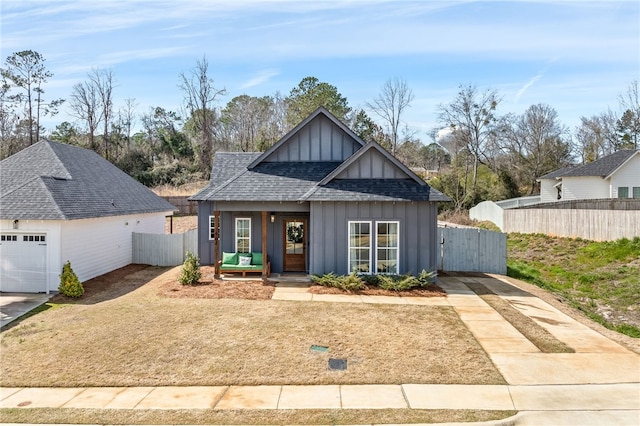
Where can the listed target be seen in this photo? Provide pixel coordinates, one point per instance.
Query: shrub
(70, 285)
(397, 282)
(190, 273)
(350, 282)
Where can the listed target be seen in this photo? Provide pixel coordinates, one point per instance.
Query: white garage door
(23, 263)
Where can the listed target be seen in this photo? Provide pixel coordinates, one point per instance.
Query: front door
(295, 242)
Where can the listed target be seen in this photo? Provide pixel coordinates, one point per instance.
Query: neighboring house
(615, 176)
(320, 200)
(63, 203)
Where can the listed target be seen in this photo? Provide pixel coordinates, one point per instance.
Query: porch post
(216, 242)
(264, 246)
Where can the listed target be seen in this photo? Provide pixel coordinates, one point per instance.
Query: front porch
(277, 238)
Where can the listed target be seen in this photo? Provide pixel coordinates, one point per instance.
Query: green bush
(355, 282)
(190, 273)
(70, 285)
(350, 282)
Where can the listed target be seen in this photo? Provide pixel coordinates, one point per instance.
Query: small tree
(190, 273)
(70, 285)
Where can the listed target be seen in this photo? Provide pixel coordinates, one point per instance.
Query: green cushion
(229, 258)
(256, 258)
(240, 268)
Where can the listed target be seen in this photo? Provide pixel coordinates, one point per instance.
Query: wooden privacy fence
(595, 225)
(472, 250)
(164, 249)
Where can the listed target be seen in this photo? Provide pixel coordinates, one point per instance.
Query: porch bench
(231, 263)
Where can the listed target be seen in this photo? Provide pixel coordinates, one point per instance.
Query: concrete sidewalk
(616, 397)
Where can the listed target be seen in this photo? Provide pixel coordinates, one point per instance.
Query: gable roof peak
(318, 111)
(372, 145)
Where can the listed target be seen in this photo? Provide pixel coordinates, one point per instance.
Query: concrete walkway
(597, 385)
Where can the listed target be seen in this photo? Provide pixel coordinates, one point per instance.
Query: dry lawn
(246, 417)
(126, 332)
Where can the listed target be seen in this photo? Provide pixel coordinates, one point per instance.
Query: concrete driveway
(14, 305)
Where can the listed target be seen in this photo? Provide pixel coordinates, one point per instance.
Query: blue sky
(576, 56)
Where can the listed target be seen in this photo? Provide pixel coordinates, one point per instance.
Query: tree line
(475, 154)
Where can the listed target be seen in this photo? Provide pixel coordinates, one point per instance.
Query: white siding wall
(548, 194)
(52, 230)
(100, 245)
(584, 188)
(628, 175)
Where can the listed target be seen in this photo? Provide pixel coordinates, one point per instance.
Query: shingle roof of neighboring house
(557, 173)
(55, 181)
(604, 166)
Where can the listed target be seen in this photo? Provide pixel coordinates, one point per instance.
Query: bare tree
(537, 144)
(628, 126)
(102, 81)
(85, 106)
(394, 98)
(596, 136)
(472, 119)
(199, 97)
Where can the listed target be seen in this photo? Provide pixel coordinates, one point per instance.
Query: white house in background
(60, 202)
(615, 176)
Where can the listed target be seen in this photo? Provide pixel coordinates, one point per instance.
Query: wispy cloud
(260, 78)
(526, 86)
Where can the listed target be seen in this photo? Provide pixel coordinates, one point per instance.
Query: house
(320, 200)
(63, 203)
(614, 176)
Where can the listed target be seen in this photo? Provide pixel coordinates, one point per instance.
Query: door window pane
(295, 237)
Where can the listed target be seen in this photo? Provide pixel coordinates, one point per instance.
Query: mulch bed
(210, 288)
(113, 283)
(432, 291)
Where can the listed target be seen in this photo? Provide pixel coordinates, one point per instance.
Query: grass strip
(244, 417)
(536, 334)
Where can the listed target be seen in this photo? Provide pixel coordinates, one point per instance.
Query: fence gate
(472, 250)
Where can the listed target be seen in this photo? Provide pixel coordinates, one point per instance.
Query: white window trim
(211, 219)
(235, 235)
(371, 247)
(397, 248)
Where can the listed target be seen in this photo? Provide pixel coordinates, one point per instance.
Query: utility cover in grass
(337, 364)
(319, 348)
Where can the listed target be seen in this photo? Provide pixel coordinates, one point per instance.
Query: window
(212, 226)
(623, 192)
(243, 235)
(360, 247)
(387, 247)
(636, 192)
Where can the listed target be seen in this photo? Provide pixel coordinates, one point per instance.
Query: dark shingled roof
(557, 173)
(604, 166)
(55, 181)
(375, 190)
(298, 181)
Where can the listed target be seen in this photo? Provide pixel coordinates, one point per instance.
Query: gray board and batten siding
(327, 241)
(417, 235)
(319, 140)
